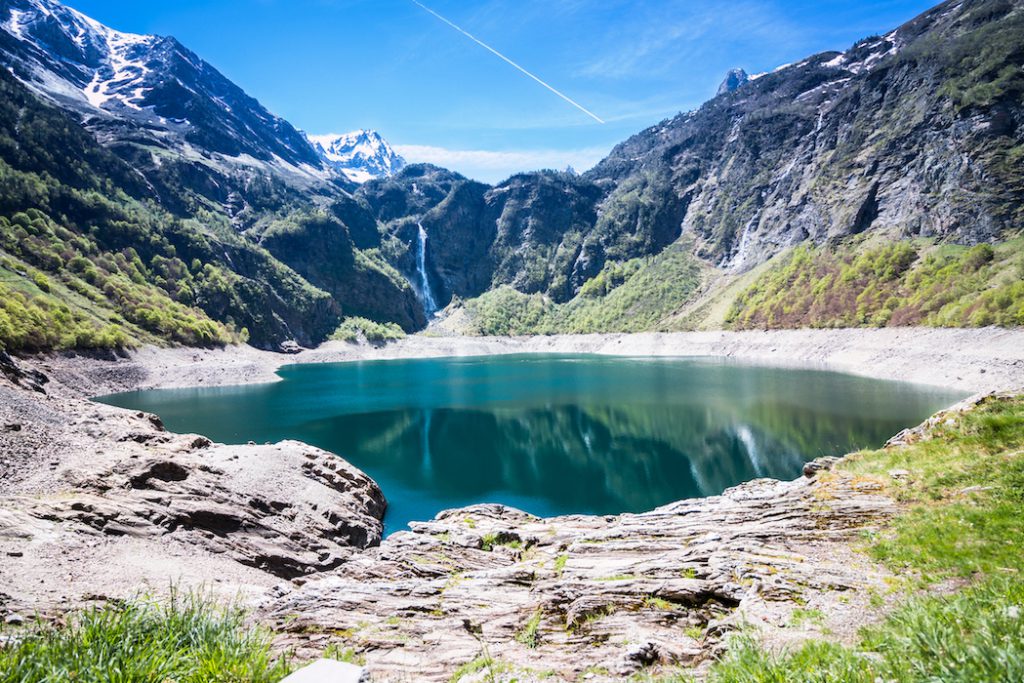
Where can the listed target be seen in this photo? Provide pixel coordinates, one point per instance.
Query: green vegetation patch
(356, 329)
(907, 283)
(964, 492)
(187, 640)
(977, 635)
(529, 635)
(633, 296)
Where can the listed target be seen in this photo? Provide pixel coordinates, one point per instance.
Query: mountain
(734, 79)
(189, 209)
(911, 134)
(882, 185)
(360, 155)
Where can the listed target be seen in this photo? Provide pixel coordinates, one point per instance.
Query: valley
(741, 402)
(267, 233)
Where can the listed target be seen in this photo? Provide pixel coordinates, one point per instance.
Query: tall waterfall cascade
(426, 293)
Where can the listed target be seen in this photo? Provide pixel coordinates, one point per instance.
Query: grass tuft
(186, 640)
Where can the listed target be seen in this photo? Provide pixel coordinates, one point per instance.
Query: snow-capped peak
(361, 155)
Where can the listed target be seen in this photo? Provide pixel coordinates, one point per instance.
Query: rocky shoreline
(100, 503)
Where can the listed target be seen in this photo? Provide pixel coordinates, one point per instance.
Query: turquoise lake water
(554, 434)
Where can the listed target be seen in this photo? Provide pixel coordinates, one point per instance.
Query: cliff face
(527, 231)
(916, 133)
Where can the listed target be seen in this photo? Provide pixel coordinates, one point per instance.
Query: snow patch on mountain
(360, 156)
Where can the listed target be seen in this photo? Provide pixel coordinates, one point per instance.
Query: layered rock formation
(101, 502)
(492, 588)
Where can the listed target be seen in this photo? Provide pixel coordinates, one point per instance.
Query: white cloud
(494, 166)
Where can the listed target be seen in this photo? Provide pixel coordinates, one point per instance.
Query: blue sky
(338, 65)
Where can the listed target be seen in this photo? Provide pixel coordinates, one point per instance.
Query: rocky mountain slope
(186, 191)
(913, 135)
(149, 92)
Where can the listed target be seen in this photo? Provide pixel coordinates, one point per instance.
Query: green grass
(186, 640)
(530, 633)
(963, 503)
(973, 636)
(490, 541)
(965, 496)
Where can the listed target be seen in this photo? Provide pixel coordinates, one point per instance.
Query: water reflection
(554, 435)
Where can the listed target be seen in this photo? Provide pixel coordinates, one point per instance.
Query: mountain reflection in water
(554, 434)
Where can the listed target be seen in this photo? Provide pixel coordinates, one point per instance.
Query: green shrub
(356, 329)
(893, 285)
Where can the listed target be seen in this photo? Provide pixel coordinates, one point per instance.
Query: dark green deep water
(553, 434)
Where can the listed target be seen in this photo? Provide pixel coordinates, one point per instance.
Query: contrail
(509, 61)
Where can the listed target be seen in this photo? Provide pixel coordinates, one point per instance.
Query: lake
(554, 434)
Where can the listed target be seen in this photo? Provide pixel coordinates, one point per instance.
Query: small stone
(814, 467)
(644, 653)
(899, 474)
(14, 619)
(1012, 612)
(13, 427)
(329, 671)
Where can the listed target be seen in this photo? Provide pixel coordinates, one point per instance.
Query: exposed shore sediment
(972, 360)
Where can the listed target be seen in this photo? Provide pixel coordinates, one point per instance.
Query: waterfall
(426, 294)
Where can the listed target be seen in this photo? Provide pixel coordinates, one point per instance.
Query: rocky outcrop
(734, 79)
(99, 501)
(604, 597)
(287, 509)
